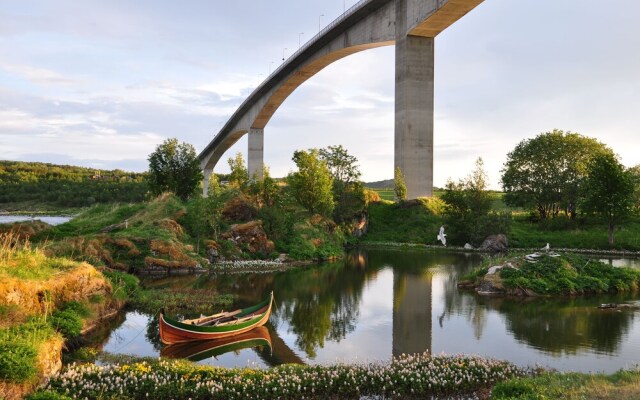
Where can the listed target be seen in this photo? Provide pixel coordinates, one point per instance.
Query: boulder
(495, 243)
(360, 225)
(213, 253)
(239, 209)
(251, 237)
(467, 246)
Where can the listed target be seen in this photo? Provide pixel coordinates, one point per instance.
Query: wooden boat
(215, 326)
(200, 350)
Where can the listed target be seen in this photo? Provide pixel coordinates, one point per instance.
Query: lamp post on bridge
(319, 16)
(283, 50)
(271, 63)
(299, 36)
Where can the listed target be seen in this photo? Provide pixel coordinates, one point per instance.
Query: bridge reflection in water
(412, 325)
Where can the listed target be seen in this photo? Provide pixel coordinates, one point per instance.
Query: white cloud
(38, 75)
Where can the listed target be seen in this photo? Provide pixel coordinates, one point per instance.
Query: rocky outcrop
(495, 243)
(239, 209)
(250, 237)
(360, 225)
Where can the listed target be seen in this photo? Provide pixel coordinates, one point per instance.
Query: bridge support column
(205, 182)
(414, 113)
(255, 162)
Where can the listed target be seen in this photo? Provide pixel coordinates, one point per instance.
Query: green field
(417, 224)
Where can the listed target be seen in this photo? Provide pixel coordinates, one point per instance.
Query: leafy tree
(265, 190)
(467, 209)
(635, 175)
(400, 186)
(239, 176)
(343, 166)
(312, 184)
(545, 173)
(174, 167)
(608, 190)
(196, 219)
(68, 186)
(348, 191)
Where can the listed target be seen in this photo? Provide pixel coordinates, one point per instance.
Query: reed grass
(20, 260)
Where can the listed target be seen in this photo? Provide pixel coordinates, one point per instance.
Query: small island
(549, 274)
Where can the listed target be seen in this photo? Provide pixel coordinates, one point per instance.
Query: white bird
(546, 248)
(442, 236)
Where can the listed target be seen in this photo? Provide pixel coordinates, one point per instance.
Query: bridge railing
(309, 42)
(302, 48)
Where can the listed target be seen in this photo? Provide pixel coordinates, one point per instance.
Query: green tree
(174, 167)
(400, 186)
(467, 209)
(348, 191)
(239, 176)
(196, 219)
(343, 166)
(545, 173)
(608, 190)
(635, 174)
(312, 184)
(264, 191)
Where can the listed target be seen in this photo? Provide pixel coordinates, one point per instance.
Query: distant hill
(66, 186)
(386, 184)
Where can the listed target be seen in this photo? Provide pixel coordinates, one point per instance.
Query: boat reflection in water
(203, 349)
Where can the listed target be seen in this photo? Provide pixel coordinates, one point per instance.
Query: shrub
(77, 307)
(124, 285)
(67, 322)
(18, 361)
(521, 389)
(47, 395)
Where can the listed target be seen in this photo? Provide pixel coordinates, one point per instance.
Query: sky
(102, 83)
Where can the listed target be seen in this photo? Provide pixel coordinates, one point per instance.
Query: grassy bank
(564, 233)
(571, 386)
(418, 221)
(405, 377)
(44, 301)
(568, 274)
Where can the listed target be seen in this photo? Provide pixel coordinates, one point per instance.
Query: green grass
(185, 300)
(568, 274)
(570, 386)
(404, 223)
(19, 348)
(386, 194)
(93, 220)
(20, 260)
(589, 235)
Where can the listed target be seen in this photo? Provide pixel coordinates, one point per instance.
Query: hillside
(386, 184)
(34, 185)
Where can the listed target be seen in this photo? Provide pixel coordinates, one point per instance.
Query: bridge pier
(205, 182)
(255, 154)
(414, 113)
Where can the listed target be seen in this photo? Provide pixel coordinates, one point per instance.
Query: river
(375, 304)
(49, 219)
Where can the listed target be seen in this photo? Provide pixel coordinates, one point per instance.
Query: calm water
(49, 219)
(379, 303)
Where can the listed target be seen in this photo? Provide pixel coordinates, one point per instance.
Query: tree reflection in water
(320, 303)
(565, 326)
(556, 326)
(323, 304)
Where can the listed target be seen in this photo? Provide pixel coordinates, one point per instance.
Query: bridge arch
(409, 24)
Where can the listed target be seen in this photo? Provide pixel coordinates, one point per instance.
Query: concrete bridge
(412, 26)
